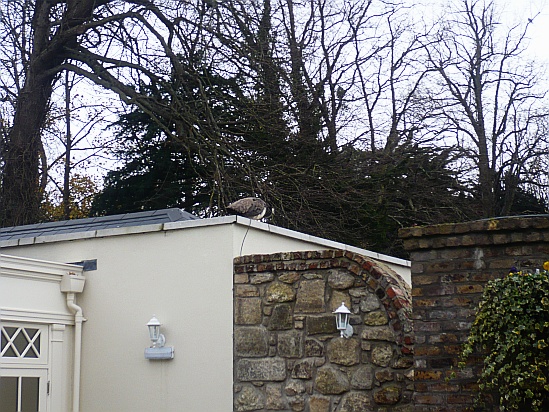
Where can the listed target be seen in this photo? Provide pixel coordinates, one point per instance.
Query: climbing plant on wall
(511, 331)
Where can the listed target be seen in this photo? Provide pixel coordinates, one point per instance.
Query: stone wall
(288, 355)
(450, 265)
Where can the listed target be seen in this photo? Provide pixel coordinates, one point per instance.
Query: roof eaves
(213, 221)
(61, 237)
(130, 230)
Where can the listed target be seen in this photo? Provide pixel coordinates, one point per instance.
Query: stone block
(290, 344)
(363, 377)
(382, 355)
(369, 302)
(303, 369)
(355, 402)
(289, 277)
(294, 387)
(249, 399)
(260, 278)
(310, 297)
(338, 297)
(244, 291)
(385, 375)
(247, 311)
(384, 333)
(359, 292)
(241, 278)
(388, 396)
(376, 318)
(274, 399)
(281, 317)
(313, 348)
(344, 351)
(270, 370)
(278, 292)
(297, 404)
(340, 279)
(330, 381)
(321, 324)
(310, 276)
(403, 362)
(251, 342)
(319, 404)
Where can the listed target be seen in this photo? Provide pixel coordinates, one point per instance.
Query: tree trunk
(20, 193)
(20, 184)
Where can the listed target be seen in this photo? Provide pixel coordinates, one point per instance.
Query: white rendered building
(76, 296)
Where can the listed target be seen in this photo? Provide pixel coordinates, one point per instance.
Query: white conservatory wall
(31, 297)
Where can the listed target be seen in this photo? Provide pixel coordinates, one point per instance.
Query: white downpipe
(78, 319)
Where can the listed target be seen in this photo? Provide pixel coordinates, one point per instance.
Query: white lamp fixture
(157, 338)
(157, 350)
(342, 321)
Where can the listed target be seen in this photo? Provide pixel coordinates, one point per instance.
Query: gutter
(72, 284)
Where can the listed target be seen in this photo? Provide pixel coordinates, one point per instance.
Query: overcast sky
(539, 30)
(512, 11)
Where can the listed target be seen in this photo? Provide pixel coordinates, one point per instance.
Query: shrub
(511, 333)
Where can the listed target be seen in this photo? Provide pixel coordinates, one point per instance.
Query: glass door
(23, 367)
(23, 390)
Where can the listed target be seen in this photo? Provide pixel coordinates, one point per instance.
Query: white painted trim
(23, 315)
(8, 273)
(59, 377)
(16, 266)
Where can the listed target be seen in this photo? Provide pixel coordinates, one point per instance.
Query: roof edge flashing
(331, 244)
(214, 221)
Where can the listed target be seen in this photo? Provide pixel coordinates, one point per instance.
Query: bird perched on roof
(250, 207)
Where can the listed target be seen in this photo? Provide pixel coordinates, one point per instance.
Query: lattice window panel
(20, 342)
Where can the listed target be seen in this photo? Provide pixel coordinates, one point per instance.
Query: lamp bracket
(166, 352)
(348, 332)
(161, 341)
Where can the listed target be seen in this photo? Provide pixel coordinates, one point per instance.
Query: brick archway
(287, 352)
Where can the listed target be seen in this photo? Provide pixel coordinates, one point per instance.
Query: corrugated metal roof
(96, 223)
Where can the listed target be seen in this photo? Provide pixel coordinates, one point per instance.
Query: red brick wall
(450, 265)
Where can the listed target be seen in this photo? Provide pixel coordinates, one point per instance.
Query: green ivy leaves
(511, 332)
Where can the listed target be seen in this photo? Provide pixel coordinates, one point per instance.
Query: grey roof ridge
(116, 231)
(95, 223)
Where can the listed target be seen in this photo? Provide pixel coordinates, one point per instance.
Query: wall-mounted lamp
(342, 321)
(157, 350)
